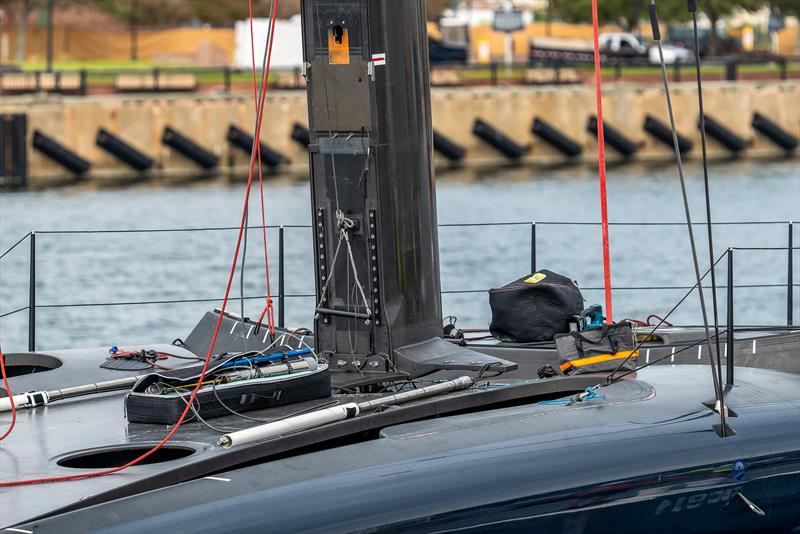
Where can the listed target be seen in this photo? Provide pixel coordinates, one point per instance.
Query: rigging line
(661, 321)
(601, 164)
(12, 247)
(670, 355)
(692, 6)
(10, 398)
(255, 153)
(717, 380)
(268, 307)
(192, 397)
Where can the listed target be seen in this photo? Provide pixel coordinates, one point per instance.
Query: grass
(102, 72)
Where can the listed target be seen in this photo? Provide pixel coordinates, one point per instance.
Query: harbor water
(88, 284)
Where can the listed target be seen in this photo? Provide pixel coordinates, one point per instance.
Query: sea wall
(140, 120)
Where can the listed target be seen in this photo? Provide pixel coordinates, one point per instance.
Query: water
(187, 265)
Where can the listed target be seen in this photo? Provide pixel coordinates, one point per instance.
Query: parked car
(672, 54)
(440, 52)
(618, 45)
(684, 37)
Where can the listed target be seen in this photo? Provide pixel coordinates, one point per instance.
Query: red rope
(268, 309)
(601, 156)
(10, 398)
(213, 338)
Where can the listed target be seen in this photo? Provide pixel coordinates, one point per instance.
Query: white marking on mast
(754, 346)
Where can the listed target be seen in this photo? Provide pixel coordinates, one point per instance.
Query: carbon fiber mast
(373, 191)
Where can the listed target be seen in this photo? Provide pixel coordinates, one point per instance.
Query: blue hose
(263, 359)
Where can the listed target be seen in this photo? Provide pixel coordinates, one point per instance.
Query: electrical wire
(193, 396)
(10, 398)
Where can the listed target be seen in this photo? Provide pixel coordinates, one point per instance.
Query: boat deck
(93, 431)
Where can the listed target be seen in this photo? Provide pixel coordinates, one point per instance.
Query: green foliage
(628, 13)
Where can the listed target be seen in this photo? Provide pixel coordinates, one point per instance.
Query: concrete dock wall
(140, 120)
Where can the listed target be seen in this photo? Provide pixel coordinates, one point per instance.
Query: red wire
(257, 141)
(601, 156)
(10, 397)
(213, 338)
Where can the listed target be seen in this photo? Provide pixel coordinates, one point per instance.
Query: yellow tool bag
(597, 350)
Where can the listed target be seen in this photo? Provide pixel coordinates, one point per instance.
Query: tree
(435, 8)
(626, 13)
(785, 7)
(715, 10)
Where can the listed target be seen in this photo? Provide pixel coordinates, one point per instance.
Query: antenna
(692, 7)
(723, 429)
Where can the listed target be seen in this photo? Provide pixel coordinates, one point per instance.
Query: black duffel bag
(534, 308)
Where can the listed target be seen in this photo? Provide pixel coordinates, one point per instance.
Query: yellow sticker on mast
(338, 46)
(535, 278)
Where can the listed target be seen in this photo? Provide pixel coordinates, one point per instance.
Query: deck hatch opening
(26, 363)
(108, 457)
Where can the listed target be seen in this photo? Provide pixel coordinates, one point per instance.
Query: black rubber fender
(613, 137)
(301, 134)
(243, 140)
(182, 144)
(499, 141)
(447, 147)
(774, 132)
(555, 138)
(724, 135)
(59, 153)
(663, 133)
(123, 151)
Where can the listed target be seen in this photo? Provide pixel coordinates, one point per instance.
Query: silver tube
(33, 399)
(416, 394)
(337, 413)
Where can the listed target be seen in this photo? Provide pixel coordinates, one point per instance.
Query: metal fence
(282, 296)
(536, 72)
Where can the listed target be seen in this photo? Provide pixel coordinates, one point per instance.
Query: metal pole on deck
(32, 296)
(533, 247)
(729, 327)
(790, 279)
(281, 285)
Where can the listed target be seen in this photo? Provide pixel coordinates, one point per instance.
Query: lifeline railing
(281, 295)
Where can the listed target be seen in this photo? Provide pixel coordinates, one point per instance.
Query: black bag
(597, 350)
(534, 308)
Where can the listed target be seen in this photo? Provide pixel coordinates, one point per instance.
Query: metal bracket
(371, 70)
(319, 231)
(372, 241)
(306, 67)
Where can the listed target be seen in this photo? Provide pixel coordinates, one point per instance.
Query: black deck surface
(45, 435)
